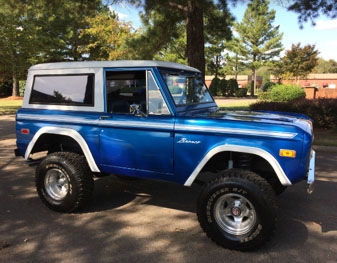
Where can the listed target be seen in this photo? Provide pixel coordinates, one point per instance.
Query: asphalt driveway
(144, 221)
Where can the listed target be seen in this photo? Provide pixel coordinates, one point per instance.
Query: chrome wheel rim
(56, 184)
(234, 214)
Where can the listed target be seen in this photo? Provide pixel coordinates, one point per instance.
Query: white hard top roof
(111, 64)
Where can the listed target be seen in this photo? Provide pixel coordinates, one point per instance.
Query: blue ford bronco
(157, 120)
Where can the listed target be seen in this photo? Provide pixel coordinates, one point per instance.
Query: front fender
(246, 149)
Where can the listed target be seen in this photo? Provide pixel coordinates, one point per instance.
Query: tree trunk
(14, 72)
(236, 67)
(15, 91)
(252, 87)
(195, 36)
(217, 62)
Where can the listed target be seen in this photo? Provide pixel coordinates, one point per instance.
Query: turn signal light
(287, 153)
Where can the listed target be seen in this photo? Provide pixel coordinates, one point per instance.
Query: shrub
(242, 92)
(214, 87)
(223, 88)
(232, 87)
(5, 89)
(268, 86)
(283, 93)
(264, 96)
(322, 111)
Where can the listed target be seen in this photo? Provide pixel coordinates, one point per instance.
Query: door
(136, 136)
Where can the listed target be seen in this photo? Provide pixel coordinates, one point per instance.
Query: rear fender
(65, 132)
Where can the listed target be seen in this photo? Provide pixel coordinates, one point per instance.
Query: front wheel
(64, 181)
(237, 210)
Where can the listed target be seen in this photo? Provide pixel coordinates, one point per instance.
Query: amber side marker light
(287, 153)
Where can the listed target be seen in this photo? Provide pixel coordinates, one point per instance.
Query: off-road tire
(64, 181)
(237, 210)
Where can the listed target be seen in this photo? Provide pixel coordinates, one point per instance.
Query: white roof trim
(110, 64)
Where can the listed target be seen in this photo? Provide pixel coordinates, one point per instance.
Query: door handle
(103, 117)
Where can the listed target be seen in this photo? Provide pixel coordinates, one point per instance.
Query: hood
(258, 117)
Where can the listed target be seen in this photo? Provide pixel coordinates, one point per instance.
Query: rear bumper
(311, 173)
(16, 152)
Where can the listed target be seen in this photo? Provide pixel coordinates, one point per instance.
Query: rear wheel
(237, 210)
(64, 181)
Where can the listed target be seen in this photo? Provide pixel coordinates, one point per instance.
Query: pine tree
(310, 10)
(260, 41)
(162, 20)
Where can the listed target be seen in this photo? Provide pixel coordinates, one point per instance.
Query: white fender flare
(244, 149)
(66, 132)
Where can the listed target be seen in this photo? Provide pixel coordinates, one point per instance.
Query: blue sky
(323, 35)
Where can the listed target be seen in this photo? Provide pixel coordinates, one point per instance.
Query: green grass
(234, 104)
(9, 106)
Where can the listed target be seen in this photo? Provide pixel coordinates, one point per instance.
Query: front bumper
(311, 173)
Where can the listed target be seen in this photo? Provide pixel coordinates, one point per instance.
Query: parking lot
(145, 221)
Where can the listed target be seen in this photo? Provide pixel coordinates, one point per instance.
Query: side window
(68, 90)
(124, 89)
(157, 105)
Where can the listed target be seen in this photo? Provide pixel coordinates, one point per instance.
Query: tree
(108, 37)
(235, 63)
(195, 33)
(260, 41)
(40, 31)
(192, 11)
(325, 66)
(61, 25)
(164, 17)
(148, 43)
(310, 10)
(158, 33)
(216, 36)
(18, 42)
(214, 60)
(175, 49)
(299, 62)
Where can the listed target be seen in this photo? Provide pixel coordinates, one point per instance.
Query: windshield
(186, 88)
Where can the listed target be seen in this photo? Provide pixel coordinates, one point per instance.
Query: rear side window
(69, 90)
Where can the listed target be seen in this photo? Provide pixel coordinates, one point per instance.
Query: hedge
(223, 87)
(241, 92)
(322, 111)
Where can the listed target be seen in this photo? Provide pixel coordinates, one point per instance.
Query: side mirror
(135, 109)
